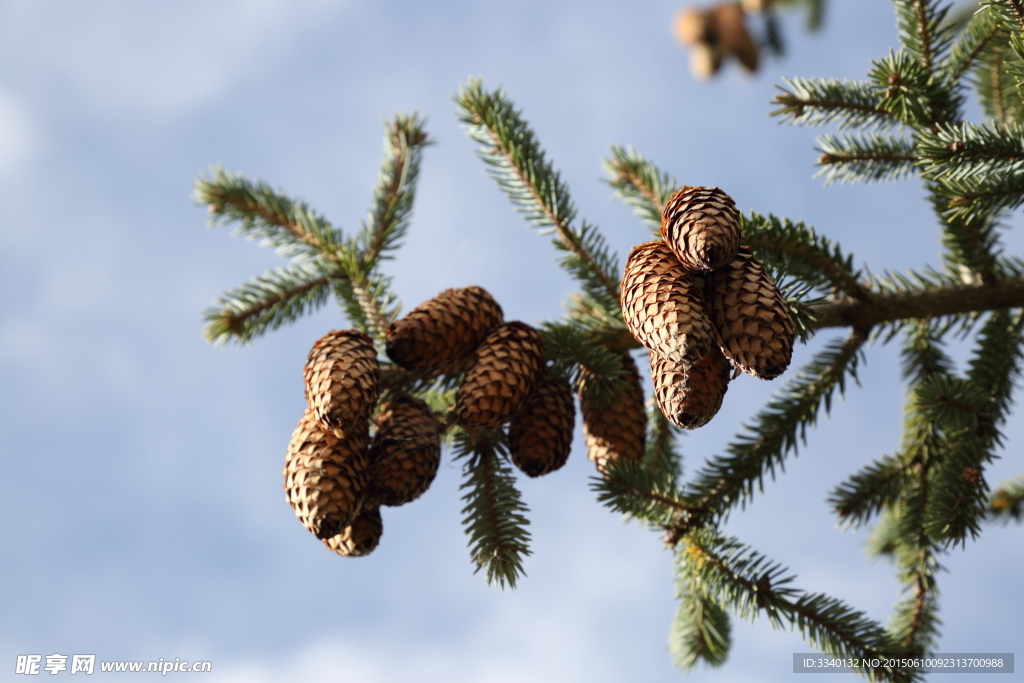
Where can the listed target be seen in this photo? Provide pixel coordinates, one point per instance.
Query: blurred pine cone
(441, 332)
(360, 537)
(751, 317)
(405, 452)
(730, 29)
(662, 304)
(690, 395)
(325, 476)
(702, 227)
(540, 434)
(616, 428)
(500, 376)
(342, 380)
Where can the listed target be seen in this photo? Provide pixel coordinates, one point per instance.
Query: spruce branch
(700, 630)
(959, 152)
(729, 480)
(799, 251)
(868, 158)
(494, 512)
(1007, 502)
(907, 91)
(923, 31)
(270, 300)
(277, 221)
(971, 42)
(631, 489)
(640, 184)
(749, 584)
(661, 456)
(518, 165)
(816, 102)
(996, 80)
(869, 491)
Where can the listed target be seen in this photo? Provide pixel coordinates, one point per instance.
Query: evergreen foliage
(930, 495)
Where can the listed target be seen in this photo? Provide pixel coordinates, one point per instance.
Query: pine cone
(690, 395)
(702, 227)
(324, 476)
(541, 432)
(618, 428)
(405, 452)
(443, 331)
(342, 380)
(731, 35)
(360, 537)
(751, 317)
(500, 376)
(662, 304)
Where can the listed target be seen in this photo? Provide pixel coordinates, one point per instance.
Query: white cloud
(17, 135)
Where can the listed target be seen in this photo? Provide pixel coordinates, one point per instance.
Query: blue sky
(141, 508)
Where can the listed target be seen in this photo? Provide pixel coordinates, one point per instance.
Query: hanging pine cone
(751, 317)
(540, 434)
(405, 452)
(342, 379)
(500, 376)
(730, 29)
(690, 395)
(702, 227)
(662, 304)
(616, 429)
(443, 331)
(360, 537)
(325, 476)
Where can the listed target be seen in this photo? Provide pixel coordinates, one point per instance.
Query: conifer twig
(517, 163)
(1007, 502)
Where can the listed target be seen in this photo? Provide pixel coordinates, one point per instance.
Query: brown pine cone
(540, 434)
(662, 304)
(342, 379)
(751, 317)
(360, 537)
(500, 376)
(405, 452)
(690, 395)
(325, 476)
(440, 333)
(730, 30)
(702, 227)
(618, 428)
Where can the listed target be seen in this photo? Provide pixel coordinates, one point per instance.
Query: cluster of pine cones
(716, 34)
(698, 301)
(337, 476)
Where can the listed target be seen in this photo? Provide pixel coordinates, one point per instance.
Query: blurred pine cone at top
(715, 34)
(342, 378)
(751, 317)
(540, 434)
(325, 476)
(442, 332)
(500, 376)
(616, 428)
(690, 395)
(360, 537)
(662, 304)
(405, 452)
(702, 227)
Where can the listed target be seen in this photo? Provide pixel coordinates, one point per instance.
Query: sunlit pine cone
(751, 317)
(690, 395)
(500, 376)
(342, 378)
(702, 227)
(662, 304)
(442, 332)
(540, 434)
(325, 476)
(360, 537)
(617, 428)
(405, 452)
